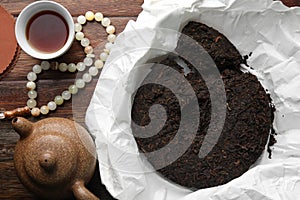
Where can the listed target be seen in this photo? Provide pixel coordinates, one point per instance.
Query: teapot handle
(82, 193)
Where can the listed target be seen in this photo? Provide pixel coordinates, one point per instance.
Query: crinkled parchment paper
(268, 29)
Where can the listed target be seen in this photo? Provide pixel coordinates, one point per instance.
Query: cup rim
(20, 28)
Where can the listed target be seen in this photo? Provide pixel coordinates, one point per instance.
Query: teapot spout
(22, 126)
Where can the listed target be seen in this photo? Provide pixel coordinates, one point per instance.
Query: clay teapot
(54, 158)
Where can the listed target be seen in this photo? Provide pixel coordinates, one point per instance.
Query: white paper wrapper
(268, 29)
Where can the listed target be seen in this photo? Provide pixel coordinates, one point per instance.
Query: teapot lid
(50, 160)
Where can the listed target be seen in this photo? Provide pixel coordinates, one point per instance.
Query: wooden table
(13, 93)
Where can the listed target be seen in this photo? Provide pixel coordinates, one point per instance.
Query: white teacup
(26, 15)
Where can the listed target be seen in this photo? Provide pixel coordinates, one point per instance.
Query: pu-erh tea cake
(248, 117)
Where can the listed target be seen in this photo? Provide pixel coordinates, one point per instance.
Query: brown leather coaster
(9, 49)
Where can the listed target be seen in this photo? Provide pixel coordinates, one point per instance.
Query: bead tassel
(14, 113)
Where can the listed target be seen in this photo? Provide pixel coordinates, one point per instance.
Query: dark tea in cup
(47, 31)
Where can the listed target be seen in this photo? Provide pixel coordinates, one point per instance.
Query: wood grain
(110, 8)
(9, 183)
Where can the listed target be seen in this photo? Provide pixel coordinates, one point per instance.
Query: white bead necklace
(80, 83)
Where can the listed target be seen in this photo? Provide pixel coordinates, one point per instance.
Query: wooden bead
(17, 112)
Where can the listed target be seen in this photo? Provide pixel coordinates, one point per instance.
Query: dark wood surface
(13, 93)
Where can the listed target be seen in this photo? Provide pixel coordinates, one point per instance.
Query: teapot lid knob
(47, 161)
